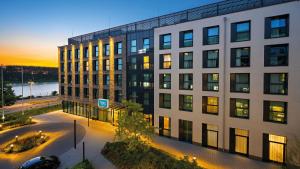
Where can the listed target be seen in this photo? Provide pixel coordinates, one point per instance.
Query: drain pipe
(224, 79)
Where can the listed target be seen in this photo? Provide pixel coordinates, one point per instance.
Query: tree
(54, 93)
(9, 96)
(132, 127)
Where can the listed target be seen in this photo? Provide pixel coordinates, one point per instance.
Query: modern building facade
(223, 76)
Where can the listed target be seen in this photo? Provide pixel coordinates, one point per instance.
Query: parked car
(41, 162)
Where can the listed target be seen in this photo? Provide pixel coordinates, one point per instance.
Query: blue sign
(103, 103)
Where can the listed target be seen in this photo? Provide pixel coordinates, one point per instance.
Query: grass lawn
(18, 119)
(86, 164)
(118, 154)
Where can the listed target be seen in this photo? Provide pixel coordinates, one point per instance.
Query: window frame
(182, 60)
(183, 42)
(162, 61)
(206, 37)
(268, 84)
(183, 81)
(233, 57)
(234, 32)
(163, 81)
(233, 84)
(268, 26)
(267, 111)
(163, 100)
(268, 55)
(183, 102)
(162, 42)
(233, 108)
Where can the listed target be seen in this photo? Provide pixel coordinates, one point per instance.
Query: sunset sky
(31, 30)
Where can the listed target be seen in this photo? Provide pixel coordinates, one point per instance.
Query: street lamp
(3, 117)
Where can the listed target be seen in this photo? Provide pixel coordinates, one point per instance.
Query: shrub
(119, 155)
(86, 164)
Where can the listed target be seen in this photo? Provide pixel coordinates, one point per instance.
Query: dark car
(42, 162)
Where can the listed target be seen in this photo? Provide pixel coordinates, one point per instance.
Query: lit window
(165, 61)
(210, 105)
(239, 108)
(275, 111)
(146, 61)
(133, 46)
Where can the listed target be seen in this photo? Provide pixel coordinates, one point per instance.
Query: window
(95, 79)
(275, 111)
(77, 92)
(62, 90)
(211, 35)
(146, 99)
(95, 65)
(62, 67)
(165, 100)
(119, 48)
(133, 96)
(165, 61)
(146, 44)
(239, 141)
(118, 96)
(106, 80)
(165, 41)
(133, 46)
(211, 59)
(86, 52)
(239, 108)
(95, 93)
(147, 80)
(240, 82)
(133, 64)
(106, 50)
(146, 62)
(119, 64)
(210, 82)
(186, 102)
(186, 60)
(105, 94)
(118, 80)
(185, 131)
(62, 57)
(62, 79)
(69, 66)
(85, 66)
(165, 81)
(164, 126)
(274, 148)
(277, 26)
(77, 67)
(86, 92)
(106, 64)
(69, 55)
(69, 79)
(209, 135)
(186, 38)
(96, 51)
(276, 83)
(77, 53)
(85, 79)
(77, 79)
(133, 81)
(69, 91)
(240, 31)
(210, 105)
(186, 81)
(240, 57)
(277, 55)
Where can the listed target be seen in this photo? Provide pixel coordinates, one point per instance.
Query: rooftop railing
(206, 11)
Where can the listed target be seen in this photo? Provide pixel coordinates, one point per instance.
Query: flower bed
(25, 143)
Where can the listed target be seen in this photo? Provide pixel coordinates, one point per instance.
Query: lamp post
(30, 84)
(3, 117)
(22, 90)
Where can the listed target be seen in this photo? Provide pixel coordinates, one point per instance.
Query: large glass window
(69, 55)
(118, 80)
(106, 80)
(211, 59)
(240, 31)
(165, 41)
(165, 61)
(133, 64)
(85, 79)
(133, 47)
(95, 65)
(77, 54)
(240, 57)
(95, 93)
(146, 44)
(275, 111)
(186, 60)
(185, 131)
(86, 92)
(274, 148)
(86, 52)
(164, 126)
(85, 66)
(186, 81)
(119, 48)
(106, 50)
(277, 55)
(209, 135)
(133, 81)
(119, 64)
(165, 100)
(106, 64)
(96, 51)
(186, 102)
(210, 82)
(240, 82)
(95, 79)
(211, 35)
(239, 108)
(239, 141)
(210, 105)
(277, 26)
(165, 81)
(186, 38)
(146, 62)
(276, 83)
(147, 80)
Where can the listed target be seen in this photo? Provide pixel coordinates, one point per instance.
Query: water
(38, 89)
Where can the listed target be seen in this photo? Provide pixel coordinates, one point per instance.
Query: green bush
(86, 164)
(123, 158)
